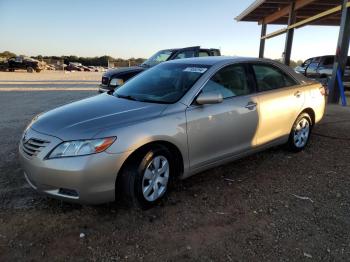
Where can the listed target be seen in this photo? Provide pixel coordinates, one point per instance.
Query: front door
(221, 130)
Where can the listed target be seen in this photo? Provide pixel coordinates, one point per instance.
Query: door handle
(297, 94)
(251, 105)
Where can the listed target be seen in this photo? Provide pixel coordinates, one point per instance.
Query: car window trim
(273, 66)
(246, 69)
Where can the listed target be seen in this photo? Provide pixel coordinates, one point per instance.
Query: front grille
(105, 80)
(33, 146)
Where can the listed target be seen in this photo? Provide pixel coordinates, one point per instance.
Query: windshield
(165, 83)
(158, 58)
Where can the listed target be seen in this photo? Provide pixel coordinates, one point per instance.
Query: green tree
(7, 54)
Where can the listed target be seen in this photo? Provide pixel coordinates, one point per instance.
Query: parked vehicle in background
(93, 68)
(321, 69)
(25, 63)
(59, 66)
(174, 120)
(50, 67)
(4, 66)
(86, 68)
(74, 66)
(114, 78)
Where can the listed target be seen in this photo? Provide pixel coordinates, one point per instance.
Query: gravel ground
(271, 206)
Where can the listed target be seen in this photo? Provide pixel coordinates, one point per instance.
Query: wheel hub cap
(155, 178)
(301, 133)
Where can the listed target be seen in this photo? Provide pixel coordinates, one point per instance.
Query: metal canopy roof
(277, 11)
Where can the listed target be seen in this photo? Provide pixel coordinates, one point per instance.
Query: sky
(138, 28)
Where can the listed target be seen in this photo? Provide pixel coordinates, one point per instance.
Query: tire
(141, 186)
(38, 70)
(30, 69)
(300, 133)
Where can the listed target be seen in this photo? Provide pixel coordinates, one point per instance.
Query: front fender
(170, 128)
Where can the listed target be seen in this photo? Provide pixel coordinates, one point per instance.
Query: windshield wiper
(154, 101)
(129, 97)
(145, 65)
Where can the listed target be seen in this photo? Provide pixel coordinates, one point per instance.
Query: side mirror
(209, 98)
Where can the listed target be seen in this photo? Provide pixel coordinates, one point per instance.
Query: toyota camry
(172, 121)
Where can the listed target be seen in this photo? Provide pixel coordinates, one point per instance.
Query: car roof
(212, 60)
(189, 47)
(177, 49)
(222, 60)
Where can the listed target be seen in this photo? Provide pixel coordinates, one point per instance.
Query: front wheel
(300, 133)
(146, 180)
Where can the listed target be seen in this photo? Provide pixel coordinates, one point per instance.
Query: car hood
(86, 118)
(121, 71)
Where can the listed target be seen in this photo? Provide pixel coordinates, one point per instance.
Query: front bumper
(84, 179)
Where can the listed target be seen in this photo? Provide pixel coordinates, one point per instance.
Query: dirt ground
(271, 206)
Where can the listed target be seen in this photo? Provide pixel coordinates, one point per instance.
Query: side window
(230, 81)
(317, 59)
(215, 52)
(185, 54)
(328, 60)
(269, 78)
(203, 53)
(313, 66)
(306, 63)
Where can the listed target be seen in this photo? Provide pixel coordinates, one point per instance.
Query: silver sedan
(172, 121)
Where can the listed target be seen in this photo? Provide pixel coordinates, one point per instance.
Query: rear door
(221, 130)
(279, 102)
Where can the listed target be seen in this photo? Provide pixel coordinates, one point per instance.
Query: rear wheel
(145, 181)
(30, 69)
(300, 133)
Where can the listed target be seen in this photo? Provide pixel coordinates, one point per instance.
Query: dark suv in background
(321, 68)
(116, 77)
(26, 63)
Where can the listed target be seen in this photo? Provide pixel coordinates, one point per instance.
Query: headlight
(81, 147)
(116, 82)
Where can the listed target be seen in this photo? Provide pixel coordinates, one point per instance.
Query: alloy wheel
(155, 178)
(301, 133)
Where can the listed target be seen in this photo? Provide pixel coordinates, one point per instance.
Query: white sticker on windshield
(200, 70)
